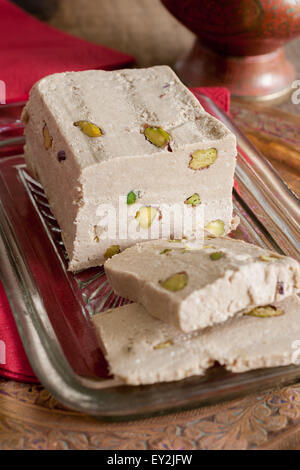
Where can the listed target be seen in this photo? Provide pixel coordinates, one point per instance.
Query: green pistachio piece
(131, 198)
(157, 136)
(268, 258)
(166, 250)
(216, 255)
(48, 139)
(163, 345)
(88, 128)
(216, 228)
(265, 312)
(145, 216)
(112, 251)
(25, 116)
(176, 282)
(203, 158)
(193, 200)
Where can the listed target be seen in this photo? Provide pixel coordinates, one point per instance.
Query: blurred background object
(142, 28)
(239, 44)
(147, 30)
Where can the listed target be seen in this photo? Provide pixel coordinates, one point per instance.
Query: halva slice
(193, 286)
(117, 152)
(141, 349)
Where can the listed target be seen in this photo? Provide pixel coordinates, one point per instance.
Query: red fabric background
(31, 50)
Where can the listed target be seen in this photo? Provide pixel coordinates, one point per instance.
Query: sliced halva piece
(141, 349)
(115, 150)
(193, 287)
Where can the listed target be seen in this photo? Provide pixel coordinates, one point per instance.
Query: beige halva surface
(141, 349)
(215, 290)
(100, 170)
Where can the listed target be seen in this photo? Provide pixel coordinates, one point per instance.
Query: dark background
(43, 9)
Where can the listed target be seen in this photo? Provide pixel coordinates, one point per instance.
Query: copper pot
(239, 44)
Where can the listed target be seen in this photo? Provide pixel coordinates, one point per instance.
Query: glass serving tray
(52, 307)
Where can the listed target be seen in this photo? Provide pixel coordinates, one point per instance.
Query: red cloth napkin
(31, 50)
(16, 364)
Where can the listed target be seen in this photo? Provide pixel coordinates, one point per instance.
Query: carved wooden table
(31, 419)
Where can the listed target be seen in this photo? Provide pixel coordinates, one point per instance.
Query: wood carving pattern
(30, 418)
(268, 121)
